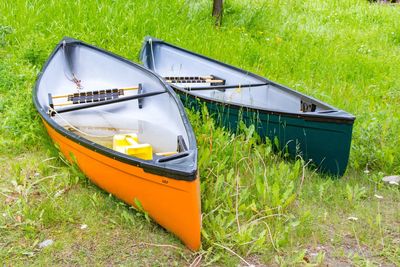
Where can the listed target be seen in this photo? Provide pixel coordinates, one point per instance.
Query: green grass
(265, 209)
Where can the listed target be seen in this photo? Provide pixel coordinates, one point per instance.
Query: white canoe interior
(158, 122)
(170, 61)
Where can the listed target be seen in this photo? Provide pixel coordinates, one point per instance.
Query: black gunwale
(344, 117)
(153, 166)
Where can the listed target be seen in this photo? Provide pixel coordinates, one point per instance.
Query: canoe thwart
(129, 144)
(182, 151)
(307, 106)
(223, 87)
(52, 111)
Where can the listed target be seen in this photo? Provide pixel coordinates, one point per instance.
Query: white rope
(76, 129)
(65, 64)
(152, 54)
(73, 78)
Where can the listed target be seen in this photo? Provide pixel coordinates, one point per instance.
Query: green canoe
(303, 126)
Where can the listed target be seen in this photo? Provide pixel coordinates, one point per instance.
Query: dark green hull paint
(326, 143)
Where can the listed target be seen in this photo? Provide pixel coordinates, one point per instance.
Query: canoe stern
(174, 204)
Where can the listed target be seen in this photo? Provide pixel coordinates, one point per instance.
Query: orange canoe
(126, 130)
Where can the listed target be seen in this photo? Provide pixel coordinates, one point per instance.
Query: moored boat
(126, 130)
(300, 125)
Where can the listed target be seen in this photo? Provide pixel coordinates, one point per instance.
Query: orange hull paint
(174, 204)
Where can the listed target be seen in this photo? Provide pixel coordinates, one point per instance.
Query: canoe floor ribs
(95, 96)
(211, 79)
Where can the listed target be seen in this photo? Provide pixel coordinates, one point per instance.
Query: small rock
(83, 226)
(351, 218)
(9, 200)
(306, 259)
(18, 218)
(59, 193)
(28, 253)
(45, 243)
(392, 179)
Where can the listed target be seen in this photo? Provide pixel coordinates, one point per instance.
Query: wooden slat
(170, 153)
(63, 104)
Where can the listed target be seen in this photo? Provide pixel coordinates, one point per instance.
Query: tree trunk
(217, 11)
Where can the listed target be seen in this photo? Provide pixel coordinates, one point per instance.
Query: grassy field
(257, 208)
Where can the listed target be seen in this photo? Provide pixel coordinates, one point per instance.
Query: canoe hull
(174, 204)
(326, 143)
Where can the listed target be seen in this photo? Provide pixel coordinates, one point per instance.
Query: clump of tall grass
(247, 190)
(19, 122)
